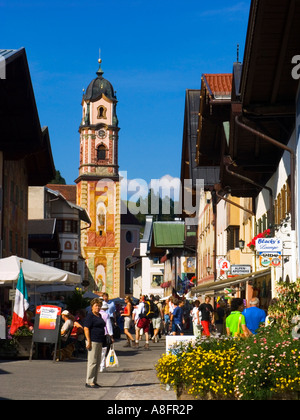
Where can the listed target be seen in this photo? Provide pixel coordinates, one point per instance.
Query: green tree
(287, 305)
(163, 209)
(58, 179)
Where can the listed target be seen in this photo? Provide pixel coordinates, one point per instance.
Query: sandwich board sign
(46, 326)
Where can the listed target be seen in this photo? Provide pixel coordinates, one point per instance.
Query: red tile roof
(68, 191)
(218, 84)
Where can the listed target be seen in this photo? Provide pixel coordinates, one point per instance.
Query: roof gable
(218, 85)
(168, 234)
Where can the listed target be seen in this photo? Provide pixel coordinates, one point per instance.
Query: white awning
(219, 285)
(34, 273)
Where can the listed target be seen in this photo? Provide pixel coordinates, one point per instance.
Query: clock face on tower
(101, 133)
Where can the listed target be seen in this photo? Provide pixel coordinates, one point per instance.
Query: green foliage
(23, 332)
(268, 365)
(58, 179)
(163, 209)
(207, 368)
(76, 301)
(287, 305)
(263, 366)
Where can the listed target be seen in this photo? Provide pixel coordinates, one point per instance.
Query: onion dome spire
(100, 71)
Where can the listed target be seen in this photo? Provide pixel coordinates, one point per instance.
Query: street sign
(240, 269)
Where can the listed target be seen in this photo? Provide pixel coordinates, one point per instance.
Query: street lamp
(241, 244)
(209, 270)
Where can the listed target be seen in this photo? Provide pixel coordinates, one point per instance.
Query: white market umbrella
(34, 273)
(51, 288)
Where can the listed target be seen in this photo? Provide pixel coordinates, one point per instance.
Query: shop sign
(48, 316)
(229, 293)
(12, 294)
(239, 270)
(223, 264)
(272, 259)
(268, 245)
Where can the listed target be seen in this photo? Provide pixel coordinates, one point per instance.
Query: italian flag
(21, 305)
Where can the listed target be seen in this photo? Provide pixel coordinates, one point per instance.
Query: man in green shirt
(235, 322)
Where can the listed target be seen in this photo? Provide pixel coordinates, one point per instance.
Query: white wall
(285, 233)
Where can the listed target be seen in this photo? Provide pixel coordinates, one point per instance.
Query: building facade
(25, 156)
(54, 222)
(130, 240)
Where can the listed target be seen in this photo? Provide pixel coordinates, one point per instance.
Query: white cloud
(240, 7)
(133, 189)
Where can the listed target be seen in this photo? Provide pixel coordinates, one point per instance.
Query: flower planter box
(24, 345)
(7, 351)
(182, 395)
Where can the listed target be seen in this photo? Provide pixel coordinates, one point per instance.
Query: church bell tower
(98, 186)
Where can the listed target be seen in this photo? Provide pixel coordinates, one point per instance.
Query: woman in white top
(196, 318)
(108, 332)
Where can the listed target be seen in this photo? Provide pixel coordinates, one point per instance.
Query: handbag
(111, 358)
(108, 340)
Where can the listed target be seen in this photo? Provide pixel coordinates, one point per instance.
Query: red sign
(48, 316)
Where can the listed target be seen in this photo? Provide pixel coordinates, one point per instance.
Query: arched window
(101, 112)
(68, 245)
(129, 237)
(101, 152)
(128, 277)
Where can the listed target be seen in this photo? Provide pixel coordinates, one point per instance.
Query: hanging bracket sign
(223, 264)
(268, 245)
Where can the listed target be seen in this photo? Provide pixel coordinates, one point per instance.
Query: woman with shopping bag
(94, 330)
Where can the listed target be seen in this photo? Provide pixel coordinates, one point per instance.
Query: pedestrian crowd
(232, 319)
(93, 330)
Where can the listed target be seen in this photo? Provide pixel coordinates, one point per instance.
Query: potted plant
(77, 301)
(23, 340)
(264, 234)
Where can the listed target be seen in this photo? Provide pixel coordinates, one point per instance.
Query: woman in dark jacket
(94, 330)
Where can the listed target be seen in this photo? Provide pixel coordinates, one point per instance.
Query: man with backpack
(143, 321)
(156, 320)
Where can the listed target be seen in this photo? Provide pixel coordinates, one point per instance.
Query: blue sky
(152, 51)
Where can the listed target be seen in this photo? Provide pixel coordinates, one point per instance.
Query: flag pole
(21, 303)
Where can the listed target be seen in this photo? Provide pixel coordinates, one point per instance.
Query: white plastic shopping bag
(111, 358)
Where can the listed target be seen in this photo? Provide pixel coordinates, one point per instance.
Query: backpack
(149, 310)
(156, 311)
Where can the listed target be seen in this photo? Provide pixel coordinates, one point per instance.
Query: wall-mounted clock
(101, 133)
